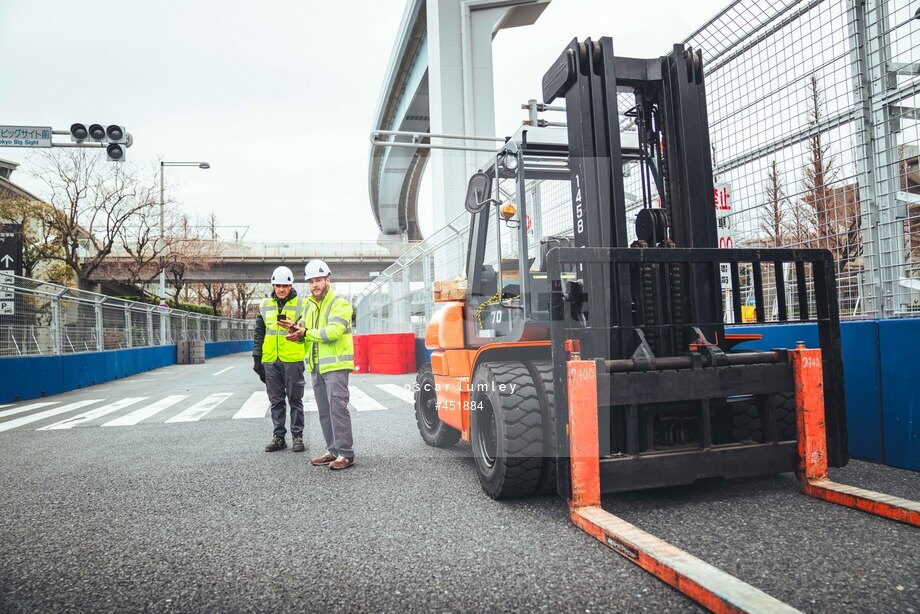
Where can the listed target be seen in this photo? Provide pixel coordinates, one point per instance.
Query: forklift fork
(812, 472)
(711, 587)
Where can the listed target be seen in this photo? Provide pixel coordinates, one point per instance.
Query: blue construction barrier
(31, 377)
(222, 348)
(881, 383)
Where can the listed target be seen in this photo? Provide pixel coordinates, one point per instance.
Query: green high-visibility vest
(275, 347)
(329, 328)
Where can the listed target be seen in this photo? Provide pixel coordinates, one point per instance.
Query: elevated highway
(439, 80)
(354, 261)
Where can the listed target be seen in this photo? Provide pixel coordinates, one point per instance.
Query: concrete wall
(32, 377)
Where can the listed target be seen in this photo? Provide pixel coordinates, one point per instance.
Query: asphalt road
(127, 509)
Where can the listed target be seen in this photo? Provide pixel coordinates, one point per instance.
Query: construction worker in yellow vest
(279, 359)
(330, 360)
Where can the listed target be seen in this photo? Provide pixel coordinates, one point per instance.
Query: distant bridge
(351, 261)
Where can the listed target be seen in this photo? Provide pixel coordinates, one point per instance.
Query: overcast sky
(278, 96)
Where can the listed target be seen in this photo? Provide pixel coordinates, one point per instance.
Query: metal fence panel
(48, 319)
(814, 129)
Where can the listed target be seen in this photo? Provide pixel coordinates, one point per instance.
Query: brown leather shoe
(341, 463)
(325, 459)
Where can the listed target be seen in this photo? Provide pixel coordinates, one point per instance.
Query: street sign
(163, 307)
(10, 264)
(722, 201)
(25, 136)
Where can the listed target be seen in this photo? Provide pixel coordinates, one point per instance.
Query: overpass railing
(38, 318)
(399, 299)
(345, 250)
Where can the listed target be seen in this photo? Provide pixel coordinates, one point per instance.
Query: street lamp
(162, 292)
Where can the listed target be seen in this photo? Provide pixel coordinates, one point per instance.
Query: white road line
(92, 414)
(145, 412)
(256, 406)
(199, 409)
(7, 405)
(361, 402)
(309, 403)
(19, 410)
(6, 426)
(400, 392)
(223, 370)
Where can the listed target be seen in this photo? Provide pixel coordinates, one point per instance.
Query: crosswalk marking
(361, 402)
(11, 424)
(145, 412)
(19, 410)
(92, 414)
(254, 407)
(201, 408)
(223, 370)
(399, 392)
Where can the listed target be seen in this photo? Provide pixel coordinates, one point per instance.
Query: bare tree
(187, 255)
(773, 223)
(242, 296)
(214, 295)
(92, 200)
(834, 210)
(144, 246)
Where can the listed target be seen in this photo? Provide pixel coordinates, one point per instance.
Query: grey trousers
(285, 380)
(330, 390)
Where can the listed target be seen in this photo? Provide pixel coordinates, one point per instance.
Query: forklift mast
(672, 388)
(669, 112)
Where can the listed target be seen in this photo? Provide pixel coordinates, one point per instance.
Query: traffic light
(97, 133)
(78, 133)
(117, 138)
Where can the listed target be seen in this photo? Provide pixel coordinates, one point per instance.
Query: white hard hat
(282, 276)
(316, 268)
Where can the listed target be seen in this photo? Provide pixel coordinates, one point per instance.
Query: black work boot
(277, 443)
(298, 444)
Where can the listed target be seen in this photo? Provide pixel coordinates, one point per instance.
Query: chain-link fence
(40, 318)
(814, 121)
(814, 132)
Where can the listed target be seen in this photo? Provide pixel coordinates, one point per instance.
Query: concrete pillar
(461, 95)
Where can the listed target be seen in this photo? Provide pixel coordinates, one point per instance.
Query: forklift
(589, 352)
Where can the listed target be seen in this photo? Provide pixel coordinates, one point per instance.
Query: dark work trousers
(330, 390)
(285, 379)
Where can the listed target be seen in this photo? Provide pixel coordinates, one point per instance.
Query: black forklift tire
(746, 422)
(542, 372)
(506, 430)
(784, 413)
(434, 432)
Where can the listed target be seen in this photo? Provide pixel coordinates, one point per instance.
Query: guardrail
(38, 318)
(356, 250)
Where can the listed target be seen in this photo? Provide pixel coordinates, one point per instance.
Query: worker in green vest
(279, 359)
(330, 360)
